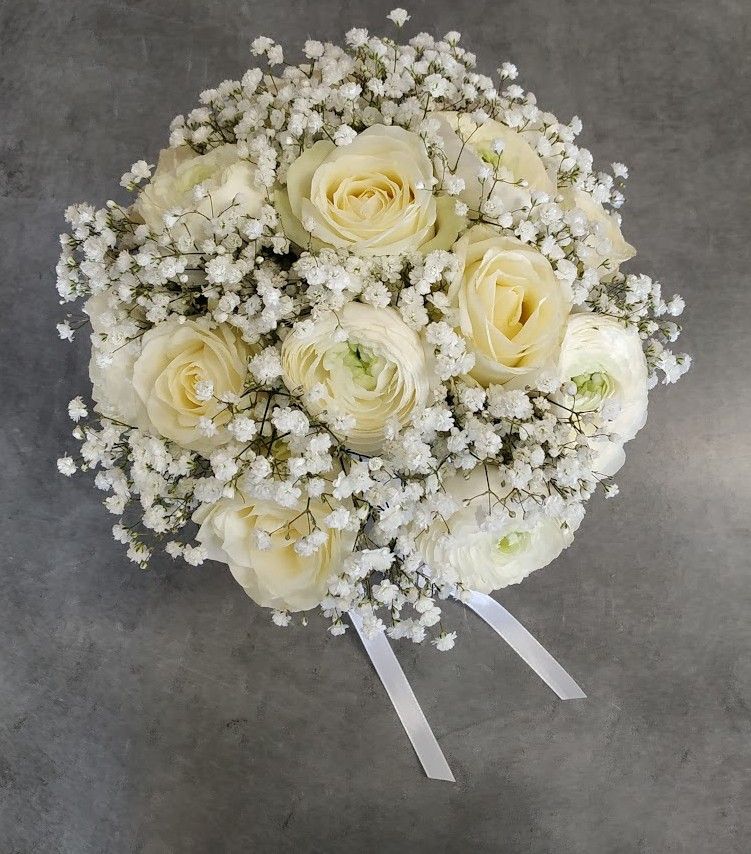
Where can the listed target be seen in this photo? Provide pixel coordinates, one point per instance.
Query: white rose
(469, 147)
(608, 242)
(229, 183)
(379, 373)
(606, 362)
(277, 576)
(373, 196)
(512, 309)
(487, 557)
(111, 364)
(175, 357)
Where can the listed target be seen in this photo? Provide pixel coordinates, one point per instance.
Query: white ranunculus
(228, 181)
(276, 576)
(512, 309)
(373, 196)
(606, 362)
(486, 557)
(379, 373)
(608, 242)
(469, 146)
(175, 357)
(111, 364)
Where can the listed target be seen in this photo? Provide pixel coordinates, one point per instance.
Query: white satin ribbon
(411, 715)
(525, 646)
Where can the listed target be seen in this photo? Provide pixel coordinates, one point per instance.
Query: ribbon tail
(411, 715)
(522, 642)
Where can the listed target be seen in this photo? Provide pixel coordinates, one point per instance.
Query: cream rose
(228, 180)
(606, 362)
(111, 363)
(468, 146)
(174, 358)
(486, 557)
(275, 576)
(373, 196)
(512, 309)
(379, 372)
(608, 243)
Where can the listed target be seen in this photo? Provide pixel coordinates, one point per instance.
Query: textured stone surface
(162, 712)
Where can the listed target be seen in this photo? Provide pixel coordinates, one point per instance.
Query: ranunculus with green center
(488, 557)
(362, 365)
(514, 543)
(228, 181)
(592, 389)
(511, 308)
(380, 372)
(605, 361)
(372, 197)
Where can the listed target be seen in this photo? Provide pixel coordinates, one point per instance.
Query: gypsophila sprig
(362, 333)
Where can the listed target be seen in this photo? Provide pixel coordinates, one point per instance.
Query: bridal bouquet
(363, 334)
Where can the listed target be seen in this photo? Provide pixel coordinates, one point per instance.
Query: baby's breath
(223, 259)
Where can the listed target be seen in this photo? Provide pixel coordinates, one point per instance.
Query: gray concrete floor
(162, 712)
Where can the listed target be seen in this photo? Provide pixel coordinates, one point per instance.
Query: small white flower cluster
(363, 324)
(639, 302)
